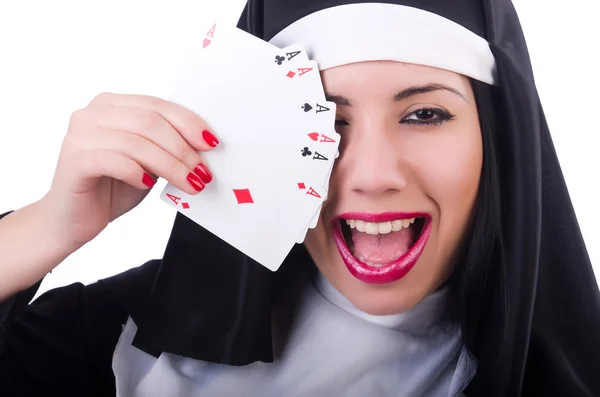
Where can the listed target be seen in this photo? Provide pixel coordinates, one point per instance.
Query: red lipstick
(392, 271)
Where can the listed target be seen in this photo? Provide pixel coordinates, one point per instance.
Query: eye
(340, 122)
(427, 117)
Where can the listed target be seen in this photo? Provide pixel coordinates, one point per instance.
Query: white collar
(422, 317)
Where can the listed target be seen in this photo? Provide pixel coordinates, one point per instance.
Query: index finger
(189, 125)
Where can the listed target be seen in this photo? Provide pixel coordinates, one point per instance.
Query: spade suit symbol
(307, 107)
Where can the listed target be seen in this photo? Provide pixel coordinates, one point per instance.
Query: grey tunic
(324, 346)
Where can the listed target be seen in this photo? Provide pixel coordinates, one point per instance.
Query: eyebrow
(406, 93)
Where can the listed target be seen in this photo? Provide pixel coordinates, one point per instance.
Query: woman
(447, 258)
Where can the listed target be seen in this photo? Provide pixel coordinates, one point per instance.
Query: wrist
(51, 234)
(30, 247)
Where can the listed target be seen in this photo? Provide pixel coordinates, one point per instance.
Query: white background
(55, 56)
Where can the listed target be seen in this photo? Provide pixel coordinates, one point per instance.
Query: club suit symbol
(306, 152)
(279, 59)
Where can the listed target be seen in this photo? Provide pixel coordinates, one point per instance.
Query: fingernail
(195, 181)
(210, 138)
(147, 180)
(203, 172)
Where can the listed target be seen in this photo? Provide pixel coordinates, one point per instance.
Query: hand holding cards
(277, 142)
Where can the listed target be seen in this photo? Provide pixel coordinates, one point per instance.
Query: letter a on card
(211, 32)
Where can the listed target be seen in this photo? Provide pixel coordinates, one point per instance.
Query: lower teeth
(375, 265)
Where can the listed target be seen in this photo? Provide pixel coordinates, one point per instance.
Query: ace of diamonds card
(263, 194)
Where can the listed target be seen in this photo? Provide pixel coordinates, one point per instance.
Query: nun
(447, 260)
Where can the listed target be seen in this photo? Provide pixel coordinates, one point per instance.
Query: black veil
(549, 316)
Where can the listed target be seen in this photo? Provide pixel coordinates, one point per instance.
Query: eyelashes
(427, 117)
(422, 117)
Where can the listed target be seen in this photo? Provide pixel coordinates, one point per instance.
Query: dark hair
(478, 282)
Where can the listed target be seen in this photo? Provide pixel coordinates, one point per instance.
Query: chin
(376, 299)
(382, 306)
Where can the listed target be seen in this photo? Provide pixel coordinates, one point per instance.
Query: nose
(372, 161)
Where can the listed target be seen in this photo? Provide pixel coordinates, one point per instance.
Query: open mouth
(381, 248)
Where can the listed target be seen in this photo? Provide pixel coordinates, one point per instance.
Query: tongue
(382, 248)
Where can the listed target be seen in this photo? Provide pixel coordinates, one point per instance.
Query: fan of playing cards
(277, 142)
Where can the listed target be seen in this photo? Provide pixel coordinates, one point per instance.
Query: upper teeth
(380, 227)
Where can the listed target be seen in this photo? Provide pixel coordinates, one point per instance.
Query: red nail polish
(147, 180)
(195, 181)
(203, 172)
(210, 138)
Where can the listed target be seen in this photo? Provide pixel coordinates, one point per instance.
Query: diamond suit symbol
(243, 196)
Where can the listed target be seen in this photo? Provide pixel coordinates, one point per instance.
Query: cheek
(455, 168)
(449, 168)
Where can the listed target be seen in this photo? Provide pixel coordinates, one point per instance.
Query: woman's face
(410, 149)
